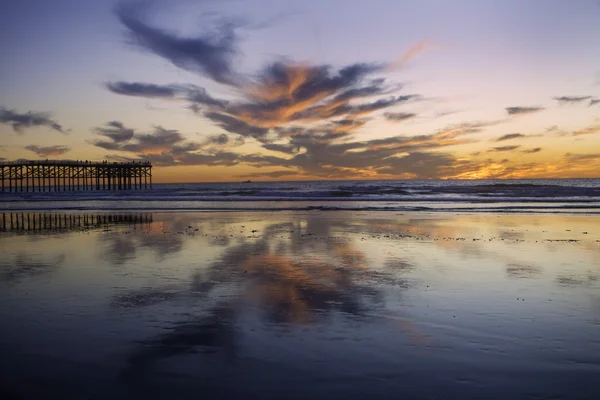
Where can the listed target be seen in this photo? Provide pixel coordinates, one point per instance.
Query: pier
(66, 176)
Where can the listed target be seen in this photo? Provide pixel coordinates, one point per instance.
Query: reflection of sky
(484, 57)
(332, 294)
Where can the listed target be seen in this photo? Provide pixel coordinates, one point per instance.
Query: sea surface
(350, 290)
(540, 195)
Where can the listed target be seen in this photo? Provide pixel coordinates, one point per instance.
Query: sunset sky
(285, 90)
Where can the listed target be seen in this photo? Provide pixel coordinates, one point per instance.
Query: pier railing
(63, 176)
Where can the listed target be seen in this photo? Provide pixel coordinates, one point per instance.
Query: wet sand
(300, 305)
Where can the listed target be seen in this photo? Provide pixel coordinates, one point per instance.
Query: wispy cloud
(48, 151)
(509, 136)
(504, 148)
(531, 151)
(414, 51)
(572, 99)
(593, 102)
(210, 55)
(399, 116)
(523, 110)
(191, 93)
(20, 121)
(582, 157)
(586, 131)
(116, 131)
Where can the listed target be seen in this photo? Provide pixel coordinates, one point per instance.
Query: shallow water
(300, 305)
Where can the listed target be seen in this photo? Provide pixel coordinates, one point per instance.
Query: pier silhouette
(66, 176)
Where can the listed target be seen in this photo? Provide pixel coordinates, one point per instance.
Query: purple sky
(218, 90)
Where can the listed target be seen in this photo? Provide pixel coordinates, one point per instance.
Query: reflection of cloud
(142, 297)
(24, 266)
(577, 280)
(522, 270)
(294, 278)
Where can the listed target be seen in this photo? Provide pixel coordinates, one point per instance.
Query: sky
(233, 90)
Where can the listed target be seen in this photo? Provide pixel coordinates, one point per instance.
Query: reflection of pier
(67, 176)
(39, 222)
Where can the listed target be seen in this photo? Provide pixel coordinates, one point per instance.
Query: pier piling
(55, 176)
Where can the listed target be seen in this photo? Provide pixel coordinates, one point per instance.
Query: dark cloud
(400, 116)
(47, 151)
(116, 131)
(194, 94)
(29, 119)
(522, 110)
(234, 125)
(531, 151)
(272, 174)
(504, 148)
(593, 102)
(166, 146)
(314, 153)
(581, 157)
(210, 55)
(509, 136)
(572, 99)
(142, 89)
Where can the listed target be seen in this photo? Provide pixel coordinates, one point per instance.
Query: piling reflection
(56, 222)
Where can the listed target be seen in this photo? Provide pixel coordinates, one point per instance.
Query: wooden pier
(66, 176)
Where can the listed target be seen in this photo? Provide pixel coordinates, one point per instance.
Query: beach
(299, 304)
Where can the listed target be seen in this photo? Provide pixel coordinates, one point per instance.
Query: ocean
(303, 290)
(539, 195)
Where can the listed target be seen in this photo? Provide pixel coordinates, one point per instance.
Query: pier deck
(64, 176)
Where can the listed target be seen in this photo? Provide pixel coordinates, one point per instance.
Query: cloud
(166, 147)
(399, 116)
(234, 125)
(572, 99)
(27, 120)
(414, 51)
(586, 131)
(305, 114)
(47, 151)
(509, 136)
(522, 110)
(581, 157)
(116, 131)
(531, 151)
(142, 89)
(593, 102)
(504, 148)
(272, 174)
(209, 55)
(192, 93)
